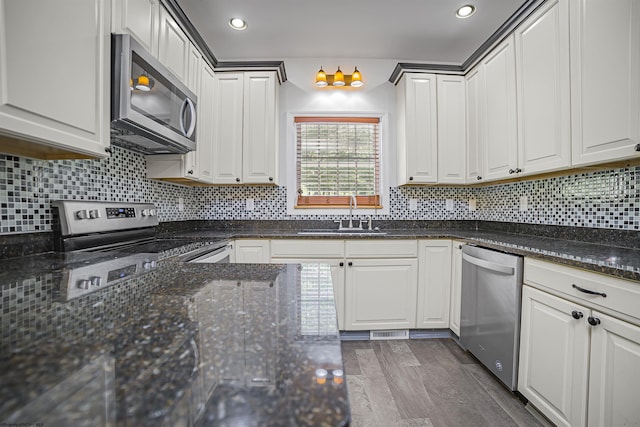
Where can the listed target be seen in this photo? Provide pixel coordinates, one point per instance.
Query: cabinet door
(499, 103)
(380, 293)
(259, 135)
(55, 79)
(227, 128)
(434, 283)
(554, 357)
(173, 46)
(260, 335)
(417, 129)
(451, 130)
(314, 267)
(614, 379)
(141, 19)
(203, 156)
(605, 80)
(542, 69)
(252, 251)
(475, 124)
(456, 287)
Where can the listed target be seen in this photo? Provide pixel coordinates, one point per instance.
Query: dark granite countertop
(179, 344)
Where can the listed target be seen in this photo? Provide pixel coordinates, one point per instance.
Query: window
(337, 157)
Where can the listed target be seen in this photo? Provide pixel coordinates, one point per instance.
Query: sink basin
(343, 232)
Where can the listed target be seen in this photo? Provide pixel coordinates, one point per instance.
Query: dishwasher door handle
(499, 268)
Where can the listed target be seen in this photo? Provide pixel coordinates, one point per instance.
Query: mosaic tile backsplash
(606, 199)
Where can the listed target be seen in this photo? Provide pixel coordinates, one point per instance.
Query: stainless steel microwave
(152, 111)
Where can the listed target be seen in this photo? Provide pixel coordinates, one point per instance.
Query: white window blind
(337, 157)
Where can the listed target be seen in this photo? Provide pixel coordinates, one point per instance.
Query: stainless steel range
(106, 242)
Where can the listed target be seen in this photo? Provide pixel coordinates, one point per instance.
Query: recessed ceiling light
(237, 24)
(465, 11)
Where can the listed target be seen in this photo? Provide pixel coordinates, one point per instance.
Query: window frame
(383, 153)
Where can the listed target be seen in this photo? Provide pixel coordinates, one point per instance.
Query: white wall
(299, 95)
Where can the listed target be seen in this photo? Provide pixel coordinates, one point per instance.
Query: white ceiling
(425, 31)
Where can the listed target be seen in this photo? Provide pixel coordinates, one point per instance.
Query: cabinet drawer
(622, 296)
(381, 249)
(301, 248)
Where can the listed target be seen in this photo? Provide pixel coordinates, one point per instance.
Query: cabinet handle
(271, 178)
(637, 147)
(238, 283)
(593, 321)
(271, 285)
(577, 314)
(350, 264)
(341, 264)
(190, 172)
(237, 179)
(459, 246)
(410, 178)
(478, 178)
(587, 291)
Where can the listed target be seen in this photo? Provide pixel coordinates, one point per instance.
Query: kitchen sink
(343, 232)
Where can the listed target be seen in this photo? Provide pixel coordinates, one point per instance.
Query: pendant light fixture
(143, 82)
(339, 79)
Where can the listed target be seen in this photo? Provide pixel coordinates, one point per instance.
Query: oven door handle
(498, 268)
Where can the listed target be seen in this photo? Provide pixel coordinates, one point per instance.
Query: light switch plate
(413, 204)
(472, 205)
(449, 204)
(250, 205)
(524, 203)
(181, 204)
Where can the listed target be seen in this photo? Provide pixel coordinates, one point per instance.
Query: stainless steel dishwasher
(490, 312)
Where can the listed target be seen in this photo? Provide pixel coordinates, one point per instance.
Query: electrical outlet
(250, 205)
(472, 205)
(413, 204)
(524, 203)
(449, 204)
(181, 204)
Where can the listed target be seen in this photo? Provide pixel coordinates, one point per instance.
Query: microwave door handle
(192, 125)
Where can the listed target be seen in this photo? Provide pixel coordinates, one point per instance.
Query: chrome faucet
(353, 204)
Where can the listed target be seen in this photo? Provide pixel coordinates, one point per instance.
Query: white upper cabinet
(542, 70)
(500, 154)
(139, 18)
(206, 103)
(54, 79)
(605, 80)
(475, 122)
(173, 46)
(417, 129)
(245, 128)
(260, 130)
(227, 128)
(451, 129)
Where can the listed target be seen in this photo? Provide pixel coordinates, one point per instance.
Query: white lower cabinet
(456, 287)
(578, 357)
(251, 251)
(380, 294)
(434, 283)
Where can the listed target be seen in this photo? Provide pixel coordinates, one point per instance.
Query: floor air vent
(400, 334)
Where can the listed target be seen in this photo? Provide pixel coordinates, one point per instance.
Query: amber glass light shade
(338, 79)
(321, 78)
(356, 78)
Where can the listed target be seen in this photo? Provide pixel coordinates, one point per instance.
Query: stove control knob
(83, 284)
(93, 214)
(83, 214)
(95, 280)
(148, 265)
(145, 212)
(152, 212)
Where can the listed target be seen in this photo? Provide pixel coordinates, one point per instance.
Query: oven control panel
(88, 216)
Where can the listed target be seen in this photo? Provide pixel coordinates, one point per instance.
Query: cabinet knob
(593, 321)
(518, 170)
(512, 171)
(577, 314)
(350, 264)
(190, 172)
(237, 179)
(410, 178)
(478, 178)
(110, 150)
(341, 264)
(637, 147)
(271, 178)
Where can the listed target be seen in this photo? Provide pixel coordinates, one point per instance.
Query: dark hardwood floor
(429, 382)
